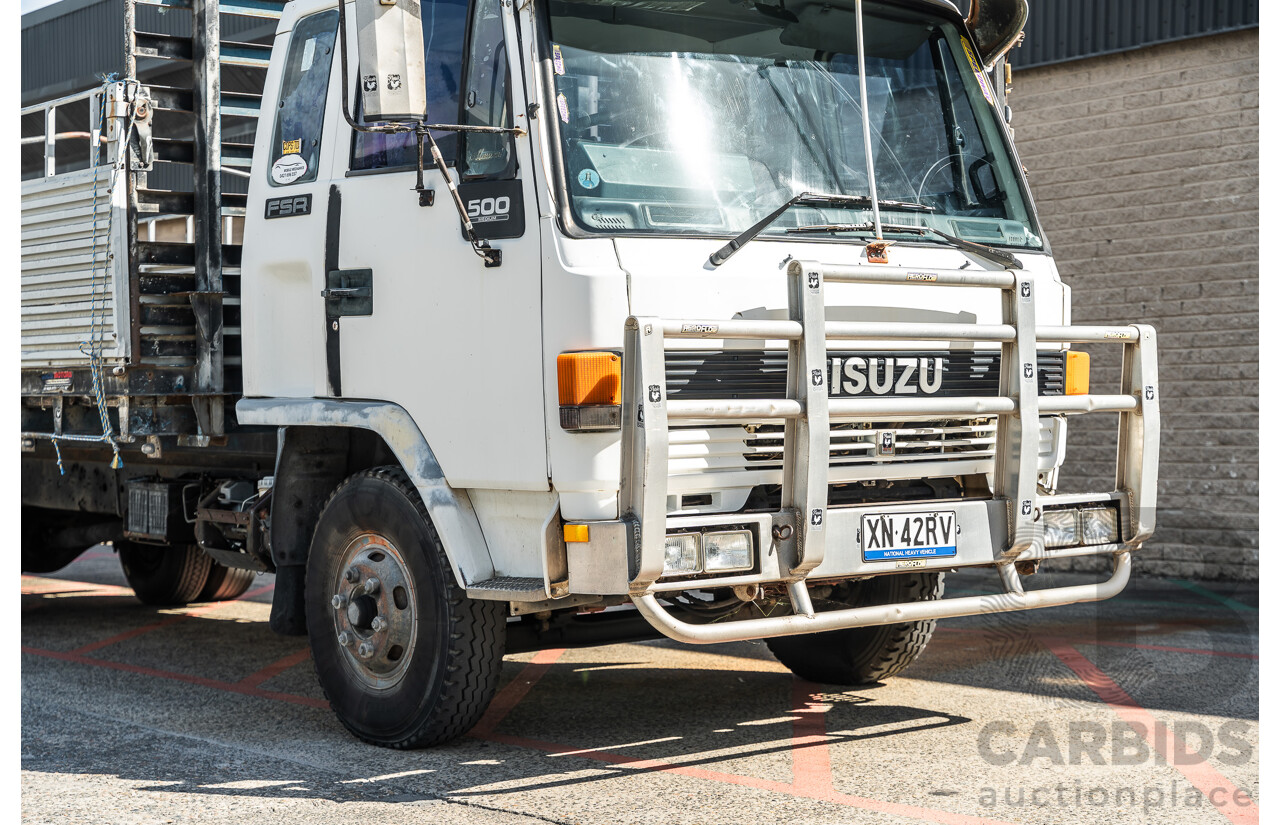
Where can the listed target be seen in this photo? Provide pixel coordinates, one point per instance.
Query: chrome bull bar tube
(807, 410)
(803, 621)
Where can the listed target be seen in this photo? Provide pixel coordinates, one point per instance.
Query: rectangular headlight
(1101, 526)
(727, 551)
(1060, 528)
(682, 555)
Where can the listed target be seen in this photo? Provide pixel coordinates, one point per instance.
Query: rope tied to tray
(92, 348)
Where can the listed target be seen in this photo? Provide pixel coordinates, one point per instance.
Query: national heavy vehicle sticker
(557, 59)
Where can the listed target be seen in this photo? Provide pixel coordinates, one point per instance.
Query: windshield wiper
(808, 199)
(997, 256)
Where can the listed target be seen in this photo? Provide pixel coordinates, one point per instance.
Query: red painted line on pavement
(1203, 776)
(1199, 651)
(128, 634)
(810, 758)
(506, 699)
(276, 668)
(216, 684)
(171, 620)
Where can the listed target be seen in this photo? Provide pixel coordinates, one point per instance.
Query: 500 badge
(489, 210)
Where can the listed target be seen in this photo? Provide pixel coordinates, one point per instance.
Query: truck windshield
(692, 117)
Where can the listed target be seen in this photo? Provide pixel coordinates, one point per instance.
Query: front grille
(705, 374)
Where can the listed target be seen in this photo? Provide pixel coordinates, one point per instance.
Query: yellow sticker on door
(291, 147)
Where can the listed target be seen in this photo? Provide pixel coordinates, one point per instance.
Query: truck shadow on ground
(726, 722)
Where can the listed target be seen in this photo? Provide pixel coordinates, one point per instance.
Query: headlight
(1100, 526)
(681, 555)
(1060, 529)
(723, 552)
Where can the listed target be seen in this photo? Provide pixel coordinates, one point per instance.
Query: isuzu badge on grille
(885, 376)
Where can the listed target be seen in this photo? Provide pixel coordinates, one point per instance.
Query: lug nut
(378, 624)
(339, 601)
(371, 585)
(365, 651)
(344, 639)
(353, 575)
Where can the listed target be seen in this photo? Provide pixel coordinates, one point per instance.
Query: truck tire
(225, 583)
(407, 661)
(164, 576)
(863, 655)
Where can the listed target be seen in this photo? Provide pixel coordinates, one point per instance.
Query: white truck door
(456, 343)
(283, 264)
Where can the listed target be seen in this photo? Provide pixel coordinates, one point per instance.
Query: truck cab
(726, 321)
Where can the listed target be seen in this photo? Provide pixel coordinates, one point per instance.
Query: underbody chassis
(806, 541)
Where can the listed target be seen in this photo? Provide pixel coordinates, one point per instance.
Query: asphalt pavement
(1142, 709)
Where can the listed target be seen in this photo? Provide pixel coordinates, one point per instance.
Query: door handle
(347, 292)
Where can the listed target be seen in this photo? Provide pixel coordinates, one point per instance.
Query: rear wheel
(404, 657)
(225, 583)
(863, 655)
(164, 575)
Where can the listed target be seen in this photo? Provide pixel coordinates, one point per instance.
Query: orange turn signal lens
(577, 533)
(589, 378)
(1077, 373)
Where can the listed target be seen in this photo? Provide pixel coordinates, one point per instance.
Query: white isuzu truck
(557, 322)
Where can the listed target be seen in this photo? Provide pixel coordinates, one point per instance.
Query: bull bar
(807, 411)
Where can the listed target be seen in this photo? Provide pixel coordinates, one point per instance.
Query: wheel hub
(360, 612)
(374, 611)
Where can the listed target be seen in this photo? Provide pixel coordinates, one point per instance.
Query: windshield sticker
(557, 59)
(288, 169)
(588, 179)
(977, 70)
(291, 147)
(563, 105)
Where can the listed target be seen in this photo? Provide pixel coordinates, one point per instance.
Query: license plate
(905, 536)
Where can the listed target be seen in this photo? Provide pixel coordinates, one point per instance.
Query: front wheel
(405, 659)
(863, 655)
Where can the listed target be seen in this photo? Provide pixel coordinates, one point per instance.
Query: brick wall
(1144, 167)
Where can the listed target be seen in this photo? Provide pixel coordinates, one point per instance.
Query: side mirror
(986, 187)
(393, 76)
(996, 25)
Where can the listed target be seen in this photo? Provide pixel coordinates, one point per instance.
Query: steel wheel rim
(374, 609)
